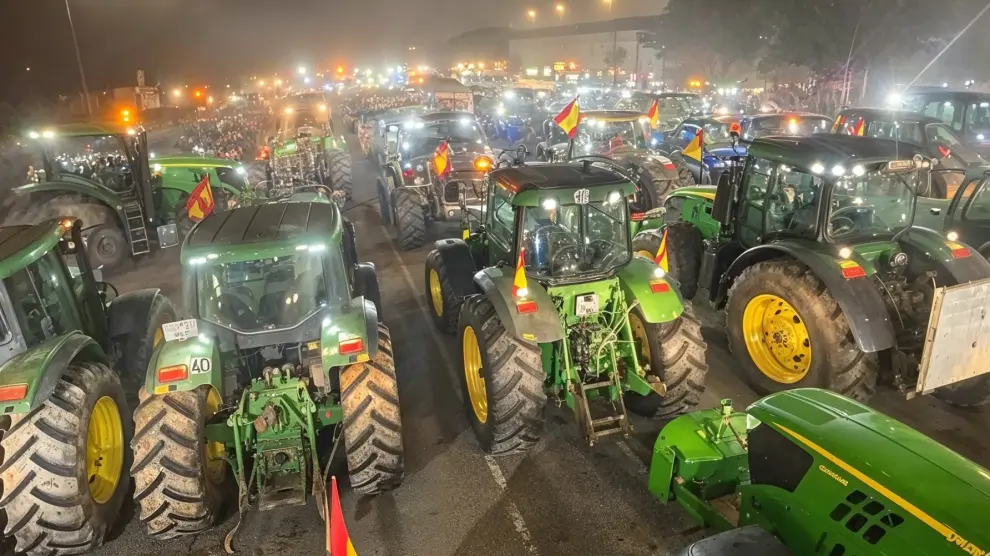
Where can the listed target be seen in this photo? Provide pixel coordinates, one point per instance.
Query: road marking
(514, 514)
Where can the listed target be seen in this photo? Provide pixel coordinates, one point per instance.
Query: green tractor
(283, 342)
(307, 149)
(808, 471)
(71, 356)
(548, 301)
(810, 250)
(131, 203)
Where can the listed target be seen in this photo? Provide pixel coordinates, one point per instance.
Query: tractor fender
(83, 188)
(457, 260)
(201, 357)
(859, 299)
(42, 367)
(129, 312)
(542, 326)
(635, 280)
(360, 320)
(922, 243)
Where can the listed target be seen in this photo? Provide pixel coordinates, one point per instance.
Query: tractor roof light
(818, 168)
(858, 170)
(34, 134)
(549, 203)
(845, 252)
(952, 236)
(614, 197)
(838, 170)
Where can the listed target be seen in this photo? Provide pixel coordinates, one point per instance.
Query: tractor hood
(913, 475)
(192, 161)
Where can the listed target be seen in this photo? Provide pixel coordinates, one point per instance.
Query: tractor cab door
(753, 194)
(44, 301)
(969, 214)
(85, 287)
(500, 223)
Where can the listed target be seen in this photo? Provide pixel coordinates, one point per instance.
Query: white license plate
(586, 304)
(180, 330)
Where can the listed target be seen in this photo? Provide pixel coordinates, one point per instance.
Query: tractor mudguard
(636, 279)
(858, 298)
(360, 321)
(540, 327)
(199, 355)
(129, 312)
(922, 243)
(456, 257)
(42, 367)
(83, 188)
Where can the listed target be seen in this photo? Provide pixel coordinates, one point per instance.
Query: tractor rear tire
(339, 165)
(675, 353)
(684, 176)
(137, 345)
(369, 395)
(445, 306)
(179, 485)
(410, 218)
(684, 250)
(507, 412)
(786, 292)
(384, 189)
(54, 497)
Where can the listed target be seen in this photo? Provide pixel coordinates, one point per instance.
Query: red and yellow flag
(568, 118)
(338, 541)
(200, 203)
(441, 159)
(859, 127)
(695, 148)
(661, 258)
(654, 114)
(519, 284)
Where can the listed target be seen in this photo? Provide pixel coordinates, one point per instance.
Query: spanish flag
(338, 541)
(695, 148)
(441, 159)
(859, 127)
(200, 203)
(654, 114)
(569, 117)
(661, 258)
(519, 284)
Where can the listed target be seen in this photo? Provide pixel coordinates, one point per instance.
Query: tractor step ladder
(595, 428)
(137, 232)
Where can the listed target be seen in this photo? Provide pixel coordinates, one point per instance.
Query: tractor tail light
(351, 347)
(13, 393)
(668, 166)
(408, 173)
(959, 251)
(173, 373)
(482, 164)
(659, 286)
(526, 306)
(851, 269)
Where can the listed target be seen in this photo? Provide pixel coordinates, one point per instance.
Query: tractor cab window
(41, 300)
(100, 158)
(234, 177)
(563, 241)
(792, 202)
(596, 134)
(877, 202)
(978, 208)
(502, 215)
(949, 111)
(978, 117)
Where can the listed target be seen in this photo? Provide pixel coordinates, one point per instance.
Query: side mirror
(522, 152)
(724, 193)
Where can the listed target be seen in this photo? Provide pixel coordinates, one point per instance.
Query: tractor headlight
(952, 236)
(659, 273)
(549, 204)
(614, 197)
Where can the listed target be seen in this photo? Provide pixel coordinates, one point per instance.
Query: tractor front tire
(339, 166)
(502, 379)
(384, 189)
(107, 247)
(445, 306)
(369, 394)
(410, 218)
(64, 471)
(788, 331)
(180, 479)
(674, 352)
(684, 250)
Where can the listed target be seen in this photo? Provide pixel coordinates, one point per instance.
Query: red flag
(338, 541)
(200, 203)
(568, 118)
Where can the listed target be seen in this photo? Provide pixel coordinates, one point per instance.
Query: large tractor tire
(384, 189)
(684, 176)
(684, 250)
(502, 381)
(137, 345)
(339, 166)
(410, 218)
(369, 394)
(445, 306)
(674, 352)
(180, 479)
(64, 471)
(787, 331)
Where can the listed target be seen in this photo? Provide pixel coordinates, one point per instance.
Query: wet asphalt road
(561, 498)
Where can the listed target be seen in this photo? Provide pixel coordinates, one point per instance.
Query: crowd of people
(359, 107)
(230, 134)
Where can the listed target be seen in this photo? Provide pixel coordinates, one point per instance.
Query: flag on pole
(338, 541)
(569, 117)
(519, 284)
(661, 258)
(695, 148)
(200, 203)
(859, 127)
(654, 114)
(441, 159)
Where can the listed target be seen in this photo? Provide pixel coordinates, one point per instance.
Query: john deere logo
(581, 196)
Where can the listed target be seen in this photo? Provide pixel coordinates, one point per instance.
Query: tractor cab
(967, 217)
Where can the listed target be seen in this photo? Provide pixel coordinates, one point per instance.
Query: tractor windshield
(978, 209)
(877, 203)
(595, 135)
(266, 294)
(568, 241)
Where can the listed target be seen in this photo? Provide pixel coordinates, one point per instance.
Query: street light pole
(82, 74)
(615, 44)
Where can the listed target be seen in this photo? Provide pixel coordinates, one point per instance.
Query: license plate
(180, 330)
(586, 304)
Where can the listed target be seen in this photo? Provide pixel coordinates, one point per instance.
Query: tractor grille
(862, 515)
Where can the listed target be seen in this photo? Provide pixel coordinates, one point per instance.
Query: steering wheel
(604, 246)
(838, 214)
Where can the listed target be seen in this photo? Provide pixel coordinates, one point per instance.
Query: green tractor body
(823, 474)
(549, 301)
(69, 361)
(811, 251)
(307, 150)
(284, 340)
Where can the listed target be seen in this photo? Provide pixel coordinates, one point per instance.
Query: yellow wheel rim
(646, 254)
(777, 339)
(213, 452)
(159, 336)
(436, 294)
(640, 339)
(104, 450)
(477, 393)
